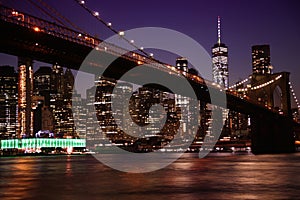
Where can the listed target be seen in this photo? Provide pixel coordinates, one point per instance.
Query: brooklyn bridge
(272, 129)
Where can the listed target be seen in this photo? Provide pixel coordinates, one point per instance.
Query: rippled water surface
(218, 176)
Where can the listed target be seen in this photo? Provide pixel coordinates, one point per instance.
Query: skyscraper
(25, 91)
(56, 99)
(103, 98)
(186, 104)
(121, 112)
(68, 87)
(42, 83)
(68, 92)
(8, 101)
(220, 60)
(220, 70)
(261, 61)
(79, 114)
(43, 118)
(93, 129)
(61, 101)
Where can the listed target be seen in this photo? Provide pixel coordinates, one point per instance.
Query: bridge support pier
(271, 135)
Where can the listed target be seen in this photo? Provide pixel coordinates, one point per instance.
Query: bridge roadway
(48, 42)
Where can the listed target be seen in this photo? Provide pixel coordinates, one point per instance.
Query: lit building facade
(61, 101)
(140, 104)
(68, 86)
(261, 60)
(186, 104)
(103, 100)
(25, 92)
(140, 111)
(220, 61)
(182, 64)
(42, 83)
(105, 121)
(8, 101)
(67, 103)
(43, 118)
(57, 106)
(121, 112)
(91, 124)
(79, 110)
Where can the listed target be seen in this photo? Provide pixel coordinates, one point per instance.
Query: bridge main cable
(47, 13)
(55, 12)
(109, 26)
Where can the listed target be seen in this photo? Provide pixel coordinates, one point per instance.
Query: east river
(218, 176)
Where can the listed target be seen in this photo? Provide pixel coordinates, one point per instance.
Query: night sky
(244, 23)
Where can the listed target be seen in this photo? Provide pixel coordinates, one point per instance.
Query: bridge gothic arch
(264, 86)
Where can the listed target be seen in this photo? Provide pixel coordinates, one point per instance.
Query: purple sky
(244, 23)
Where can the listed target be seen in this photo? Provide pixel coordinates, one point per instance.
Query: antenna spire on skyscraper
(220, 60)
(219, 30)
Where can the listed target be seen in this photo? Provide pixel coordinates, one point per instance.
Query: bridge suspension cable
(266, 83)
(96, 15)
(240, 83)
(47, 13)
(255, 87)
(56, 13)
(294, 96)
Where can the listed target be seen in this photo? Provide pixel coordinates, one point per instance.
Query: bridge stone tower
(264, 82)
(271, 133)
(263, 87)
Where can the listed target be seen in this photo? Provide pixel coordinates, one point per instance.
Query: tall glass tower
(261, 61)
(220, 60)
(220, 70)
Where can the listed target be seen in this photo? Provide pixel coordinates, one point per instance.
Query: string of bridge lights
(96, 15)
(294, 95)
(240, 83)
(255, 87)
(266, 83)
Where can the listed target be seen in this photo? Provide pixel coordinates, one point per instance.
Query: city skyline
(219, 58)
(243, 25)
(221, 123)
